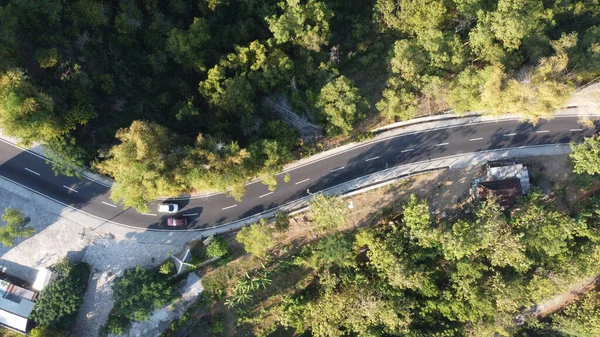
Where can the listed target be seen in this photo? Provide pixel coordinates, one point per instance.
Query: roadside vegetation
(57, 305)
(166, 96)
(410, 270)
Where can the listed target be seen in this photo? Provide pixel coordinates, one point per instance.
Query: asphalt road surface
(31, 171)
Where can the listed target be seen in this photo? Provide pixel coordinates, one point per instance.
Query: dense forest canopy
(101, 81)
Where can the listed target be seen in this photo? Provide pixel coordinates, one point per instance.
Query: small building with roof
(18, 298)
(504, 181)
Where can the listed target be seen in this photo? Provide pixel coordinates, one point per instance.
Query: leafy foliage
(305, 23)
(136, 294)
(167, 268)
(581, 318)
(217, 248)
(57, 305)
(586, 156)
(327, 212)
(256, 238)
(341, 104)
(15, 227)
(282, 222)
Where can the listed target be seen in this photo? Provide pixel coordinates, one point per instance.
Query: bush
(117, 326)
(167, 268)
(282, 222)
(217, 248)
(41, 331)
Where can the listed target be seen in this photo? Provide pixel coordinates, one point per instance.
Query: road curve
(32, 172)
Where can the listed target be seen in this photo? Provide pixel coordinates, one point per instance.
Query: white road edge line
(264, 195)
(543, 131)
(190, 214)
(337, 169)
(150, 214)
(474, 139)
(575, 129)
(228, 207)
(442, 144)
(70, 189)
(106, 203)
(509, 134)
(407, 150)
(32, 171)
(372, 158)
(303, 181)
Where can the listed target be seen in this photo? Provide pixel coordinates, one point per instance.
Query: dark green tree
(57, 305)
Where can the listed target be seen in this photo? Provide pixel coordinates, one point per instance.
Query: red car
(176, 222)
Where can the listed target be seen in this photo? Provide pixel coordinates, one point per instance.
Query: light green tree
(341, 105)
(142, 165)
(417, 219)
(15, 226)
(217, 248)
(586, 156)
(257, 238)
(327, 212)
(47, 58)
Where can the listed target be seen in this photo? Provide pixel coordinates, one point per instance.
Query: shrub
(256, 238)
(282, 222)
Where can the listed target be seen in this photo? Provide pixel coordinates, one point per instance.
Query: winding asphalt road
(32, 172)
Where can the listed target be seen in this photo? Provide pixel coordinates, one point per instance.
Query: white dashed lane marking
(372, 158)
(70, 189)
(474, 139)
(107, 204)
(543, 131)
(264, 195)
(337, 169)
(442, 144)
(510, 134)
(228, 207)
(407, 150)
(32, 171)
(572, 130)
(303, 181)
(150, 214)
